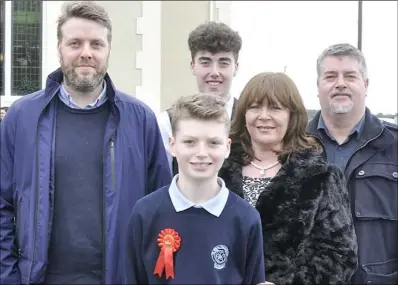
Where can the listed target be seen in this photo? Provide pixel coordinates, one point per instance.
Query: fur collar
(298, 167)
(304, 212)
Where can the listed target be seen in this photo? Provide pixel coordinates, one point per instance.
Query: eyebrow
(351, 71)
(215, 138)
(204, 58)
(347, 71)
(80, 39)
(224, 59)
(193, 137)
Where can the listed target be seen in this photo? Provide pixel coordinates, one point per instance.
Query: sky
(291, 34)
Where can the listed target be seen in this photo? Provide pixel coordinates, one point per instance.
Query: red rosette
(169, 242)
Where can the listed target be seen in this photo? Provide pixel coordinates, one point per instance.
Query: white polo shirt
(214, 206)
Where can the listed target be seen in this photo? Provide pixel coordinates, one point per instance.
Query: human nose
(264, 113)
(340, 83)
(202, 150)
(215, 70)
(86, 52)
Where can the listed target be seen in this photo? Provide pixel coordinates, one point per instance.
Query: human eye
(98, 44)
(73, 44)
(275, 106)
(215, 142)
(329, 76)
(224, 63)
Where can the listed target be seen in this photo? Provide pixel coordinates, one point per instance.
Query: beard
(339, 108)
(83, 83)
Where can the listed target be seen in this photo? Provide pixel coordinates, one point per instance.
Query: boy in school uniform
(195, 231)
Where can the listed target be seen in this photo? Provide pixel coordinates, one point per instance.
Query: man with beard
(365, 149)
(75, 157)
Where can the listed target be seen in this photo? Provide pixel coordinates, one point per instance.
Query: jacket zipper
(37, 186)
(36, 203)
(112, 157)
(112, 151)
(364, 145)
(17, 226)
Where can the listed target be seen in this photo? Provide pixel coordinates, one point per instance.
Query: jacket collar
(372, 128)
(297, 167)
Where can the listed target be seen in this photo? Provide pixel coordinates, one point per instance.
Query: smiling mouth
(213, 83)
(265, 128)
(341, 95)
(200, 164)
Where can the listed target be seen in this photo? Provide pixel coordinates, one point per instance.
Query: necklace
(263, 169)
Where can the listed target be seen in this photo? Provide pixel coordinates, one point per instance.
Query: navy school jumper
(214, 250)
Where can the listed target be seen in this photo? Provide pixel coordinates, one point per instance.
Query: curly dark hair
(214, 37)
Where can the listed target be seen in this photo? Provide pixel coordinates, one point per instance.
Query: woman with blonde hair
(304, 205)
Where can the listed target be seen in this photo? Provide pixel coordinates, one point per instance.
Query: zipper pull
(112, 143)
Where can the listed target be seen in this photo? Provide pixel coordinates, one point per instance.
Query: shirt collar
(214, 206)
(67, 99)
(229, 105)
(357, 128)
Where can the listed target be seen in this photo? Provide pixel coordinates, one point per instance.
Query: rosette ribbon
(169, 242)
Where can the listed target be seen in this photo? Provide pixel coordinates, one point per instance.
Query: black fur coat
(308, 230)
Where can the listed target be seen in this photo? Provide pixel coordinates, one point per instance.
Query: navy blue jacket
(135, 164)
(372, 181)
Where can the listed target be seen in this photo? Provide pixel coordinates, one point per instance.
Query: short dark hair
(4, 108)
(214, 37)
(343, 49)
(88, 10)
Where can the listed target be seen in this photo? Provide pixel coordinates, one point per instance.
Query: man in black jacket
(365, 148)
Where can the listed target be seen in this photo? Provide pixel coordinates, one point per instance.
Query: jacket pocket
(381, 272)
(376, 222)
(376, 192)
(19, 226)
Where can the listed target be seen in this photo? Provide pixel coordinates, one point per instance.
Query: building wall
(149, 58)
(179, 18)
(125, 43)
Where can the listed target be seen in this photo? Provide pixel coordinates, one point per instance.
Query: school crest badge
(219, 254)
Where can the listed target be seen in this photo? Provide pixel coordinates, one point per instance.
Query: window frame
(3, 46)
(6, 94)
(40, 46)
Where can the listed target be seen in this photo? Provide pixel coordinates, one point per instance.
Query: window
(2, 34)
(26, 47)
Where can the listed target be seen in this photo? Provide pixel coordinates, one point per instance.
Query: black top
(76, 246)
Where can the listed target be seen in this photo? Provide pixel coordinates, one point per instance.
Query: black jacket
(308, 231)
(372, 181)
